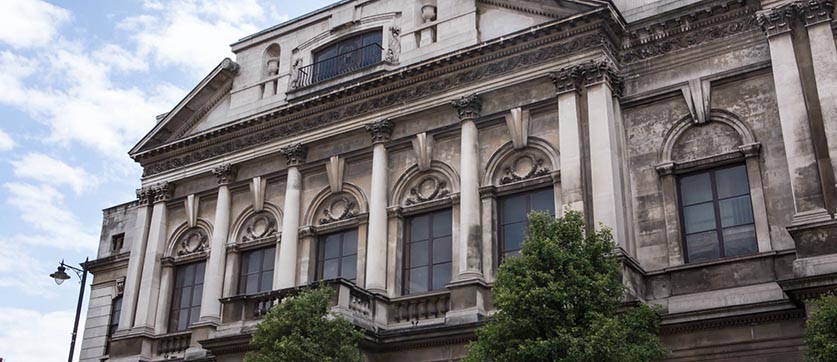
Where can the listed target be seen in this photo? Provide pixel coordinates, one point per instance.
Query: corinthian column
(214, 278)
(134, 273)
(376, 249)
(470, 228)
(808, 197)
(285, 272)
(152, 266)
(567, 85)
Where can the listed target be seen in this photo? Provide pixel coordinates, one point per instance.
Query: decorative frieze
(339, 208)
(162, 191)
(817, 11)
(295, 154)
(226, 173)
(469, 107)
(779, 20)
(381, 131)
(193, 241)
(428, 189)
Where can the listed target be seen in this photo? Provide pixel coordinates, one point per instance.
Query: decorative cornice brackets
(469, 107)
(381, 131)
(226, 173)
(295, 154)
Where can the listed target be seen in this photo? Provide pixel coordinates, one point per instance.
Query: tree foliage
(560, 301)
(301, 329)
(821, 330)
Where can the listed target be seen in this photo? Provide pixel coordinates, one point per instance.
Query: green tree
(301, 329)
(561, 300)
(821, 330)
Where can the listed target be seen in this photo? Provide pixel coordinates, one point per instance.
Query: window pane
(442, 223)
(200, 272)
(513, 235)
(182, 320)
(442, 250)
(514, 209)
(332, 246)
(732, 181)
(695, 189)
(197, 294)
(269, 258)
(419, 228)
(736, 211)
(185, 295)
(253, 262)
(740, 240)
(372, 37)
(179, 278)
(349, 267)
(699, 218)
(252, 284)
(330, 268)
(703, 246)
(544, 200)
(350, 242)
(266, 283)
(417, 280)
(189, 277)
(441, 275)
(194, 314)
(418, 254)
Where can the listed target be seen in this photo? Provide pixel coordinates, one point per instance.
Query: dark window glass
(115, 314)
(348, 55)
(427, 252)
(514, 221)
(256, 273)
(717, 214)
(186, 299)
(337, 256)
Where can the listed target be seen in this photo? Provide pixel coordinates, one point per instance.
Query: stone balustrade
(421, 307)
(173, 343)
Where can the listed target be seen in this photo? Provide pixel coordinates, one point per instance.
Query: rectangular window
(115, 314)
(117, 241)
(427, 252)
(256, 274)
(186, 299)
(717, 214)
(514, 217)
(337, 256)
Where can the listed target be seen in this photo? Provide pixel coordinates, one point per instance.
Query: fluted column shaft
(152, 266)
(285, 271)
(214, 278)
(470, 223)
(376, 251)
(135, 262)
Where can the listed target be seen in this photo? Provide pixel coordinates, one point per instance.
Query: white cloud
(21, 272)
(43, 168)
(30, 23)
(28, 333)
(120, 59)
(42, 207)
(6, 141)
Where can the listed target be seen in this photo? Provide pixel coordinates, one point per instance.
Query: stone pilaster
(470, 226)
(135, 262)
(809, 200)
(145, 320)
(285, 272)
(214, 276)
(376, 254)
(567, 86)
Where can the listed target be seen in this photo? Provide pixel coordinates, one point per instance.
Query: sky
(80, 83)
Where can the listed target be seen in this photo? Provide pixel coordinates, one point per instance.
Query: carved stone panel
(259, 226)
(426, 188)
(193, 241)
(523, 165)
(337, 207)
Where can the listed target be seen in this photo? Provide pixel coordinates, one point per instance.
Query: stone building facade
(394, 148)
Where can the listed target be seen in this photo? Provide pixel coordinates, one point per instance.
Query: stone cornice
(225, 173)
(469, 107)
(295, 154)
(381, 131)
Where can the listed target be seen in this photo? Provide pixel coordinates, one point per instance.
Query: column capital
(601, 71)
(817, 11)
(225, 173)
(381, 131)
(469, 107)
(145, 195)
(163, 191)
(778, 20)
(295, 153)
(567, 79)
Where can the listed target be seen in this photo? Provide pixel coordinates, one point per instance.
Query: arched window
(347, 55)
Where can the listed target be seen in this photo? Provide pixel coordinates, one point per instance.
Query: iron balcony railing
(340, 64)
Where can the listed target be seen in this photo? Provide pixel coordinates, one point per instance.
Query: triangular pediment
(204, 107)
(544, 9)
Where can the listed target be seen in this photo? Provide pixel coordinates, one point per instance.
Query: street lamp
(60, 276)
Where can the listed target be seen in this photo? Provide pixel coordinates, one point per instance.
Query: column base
(470, 301)
(811, 216)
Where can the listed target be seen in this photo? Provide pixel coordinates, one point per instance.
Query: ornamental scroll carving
(259, 226)
(523, 167)
(428, 188)
(193, 241)
(338, 207)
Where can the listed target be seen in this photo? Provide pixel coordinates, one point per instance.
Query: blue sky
(80, 84)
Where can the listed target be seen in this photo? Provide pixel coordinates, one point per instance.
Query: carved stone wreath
(340, 208)
(429, 188)
(523, 168)
(193, 241)
(259, 226)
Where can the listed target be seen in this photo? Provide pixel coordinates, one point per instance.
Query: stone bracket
(191, 203)
(257, 188)
(423, 146)
(697, 95)
(335, 170)
(518, 122)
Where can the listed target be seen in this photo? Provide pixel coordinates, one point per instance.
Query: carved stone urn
(428, 13)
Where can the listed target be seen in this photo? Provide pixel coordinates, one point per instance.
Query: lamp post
(60, 276)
